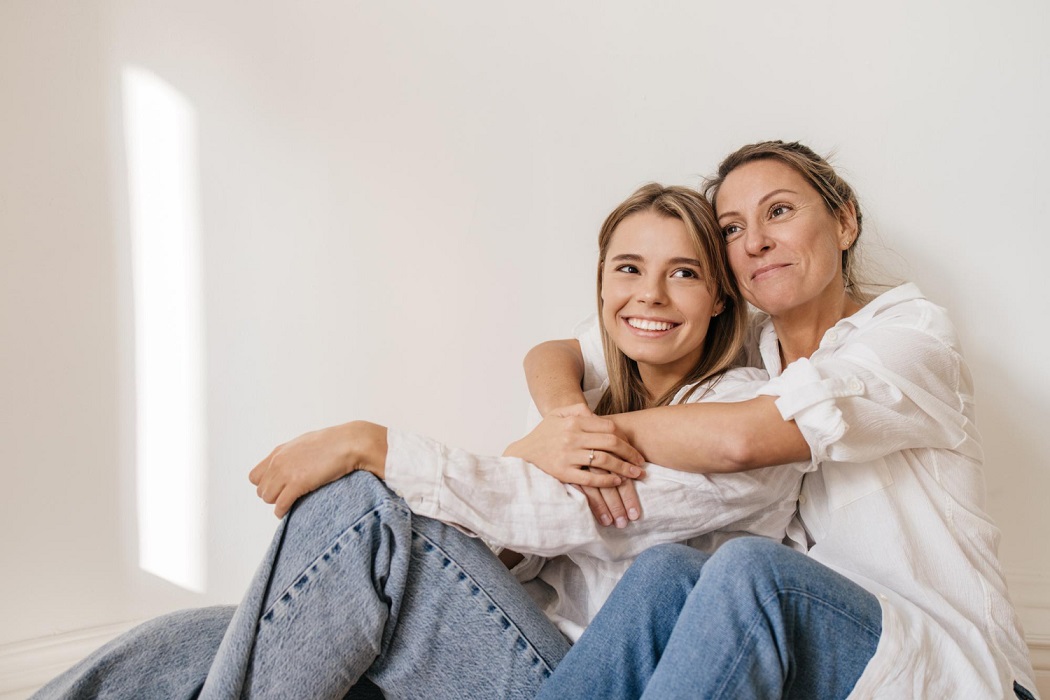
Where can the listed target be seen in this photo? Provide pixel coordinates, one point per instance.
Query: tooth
(646, 325)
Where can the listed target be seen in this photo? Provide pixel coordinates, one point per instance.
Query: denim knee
(349, 497)
(670, 560)
(751, 553)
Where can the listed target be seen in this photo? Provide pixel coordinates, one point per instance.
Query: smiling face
(784, 245)
(656, 302)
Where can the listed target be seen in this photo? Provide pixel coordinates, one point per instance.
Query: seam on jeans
(321, 562)
(506, 620)
(758, 615)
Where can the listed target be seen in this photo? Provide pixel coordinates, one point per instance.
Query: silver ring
(590, 459)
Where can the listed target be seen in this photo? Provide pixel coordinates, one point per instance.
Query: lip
(765, 270)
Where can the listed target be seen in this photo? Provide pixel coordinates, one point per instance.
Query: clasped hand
(310, 461)
(577, 447)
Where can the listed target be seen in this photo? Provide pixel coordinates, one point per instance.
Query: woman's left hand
(570, 440)
(310, 461)
(617, 506)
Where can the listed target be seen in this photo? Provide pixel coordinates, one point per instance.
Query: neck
(801, 329)
(658, 380)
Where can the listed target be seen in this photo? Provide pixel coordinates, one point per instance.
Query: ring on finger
(590, 459)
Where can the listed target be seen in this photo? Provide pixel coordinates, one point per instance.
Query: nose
(654, 291)
(757, 240)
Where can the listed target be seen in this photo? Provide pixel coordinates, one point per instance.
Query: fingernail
(606, 520)
(621, 522)
(632, 514)
(636, 472)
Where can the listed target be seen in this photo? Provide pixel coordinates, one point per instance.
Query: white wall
(398, 199)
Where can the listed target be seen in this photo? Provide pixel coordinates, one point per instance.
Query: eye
(686, 273)
(778, 210)
(629, 269)
(731, 231)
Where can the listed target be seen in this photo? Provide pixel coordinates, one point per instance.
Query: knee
(669, 565)
(353, 495)
(751, 559)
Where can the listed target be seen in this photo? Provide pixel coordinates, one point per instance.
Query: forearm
(507, 501)
(715, 437)
(501, 499)
(554, 372)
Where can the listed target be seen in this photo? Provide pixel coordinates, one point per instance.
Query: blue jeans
(754, 620)
(354, 585)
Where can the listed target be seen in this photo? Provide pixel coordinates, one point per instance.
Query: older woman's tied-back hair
(833, 189)
(725, 335)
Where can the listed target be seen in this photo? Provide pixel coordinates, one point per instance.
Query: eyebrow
(762, 201)
(632, 257)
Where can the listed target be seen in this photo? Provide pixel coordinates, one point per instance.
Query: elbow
(533, 356)
(754, 451)
(738, 454)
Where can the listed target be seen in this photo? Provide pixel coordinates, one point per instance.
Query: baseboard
(26, 666)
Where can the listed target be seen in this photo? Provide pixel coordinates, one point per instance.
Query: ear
(848, 221)
(719, 307)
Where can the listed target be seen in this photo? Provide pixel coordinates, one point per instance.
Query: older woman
(890, 586)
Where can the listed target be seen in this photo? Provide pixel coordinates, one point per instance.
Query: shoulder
(738, 384)
(906, 311)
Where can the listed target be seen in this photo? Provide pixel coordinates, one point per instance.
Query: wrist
(368, 448)
(564, 400)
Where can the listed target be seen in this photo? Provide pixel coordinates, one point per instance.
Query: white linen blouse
(895, 497)
(573, 562)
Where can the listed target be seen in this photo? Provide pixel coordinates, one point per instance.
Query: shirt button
(882, 596)
(856, 385)
(802, 498)
(832, 336)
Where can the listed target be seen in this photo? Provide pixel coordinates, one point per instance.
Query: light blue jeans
(754, 620)
(354, 585)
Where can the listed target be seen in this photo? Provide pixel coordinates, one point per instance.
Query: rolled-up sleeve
(899, 383)
(510, 502)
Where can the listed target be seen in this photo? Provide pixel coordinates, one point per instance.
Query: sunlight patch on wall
(161, 142)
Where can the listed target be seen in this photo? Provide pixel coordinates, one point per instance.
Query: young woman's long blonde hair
(626, 392)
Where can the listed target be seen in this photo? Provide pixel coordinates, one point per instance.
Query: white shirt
(508, 501)
(897, 504)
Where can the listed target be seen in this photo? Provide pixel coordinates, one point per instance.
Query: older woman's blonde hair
(725, 335)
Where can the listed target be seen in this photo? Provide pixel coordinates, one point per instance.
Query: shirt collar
(769, 345)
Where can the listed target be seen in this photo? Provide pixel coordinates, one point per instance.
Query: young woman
(891, 587)
(359, 583)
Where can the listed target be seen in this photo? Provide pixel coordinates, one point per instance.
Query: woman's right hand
(570, 440)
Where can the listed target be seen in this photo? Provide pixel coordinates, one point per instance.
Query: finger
(256, 474)
(285, 501)
(616, 445)
(270, 488)
(615, 505)
(629, 496)
(612, 463)
(582, 477)
(596, 503)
